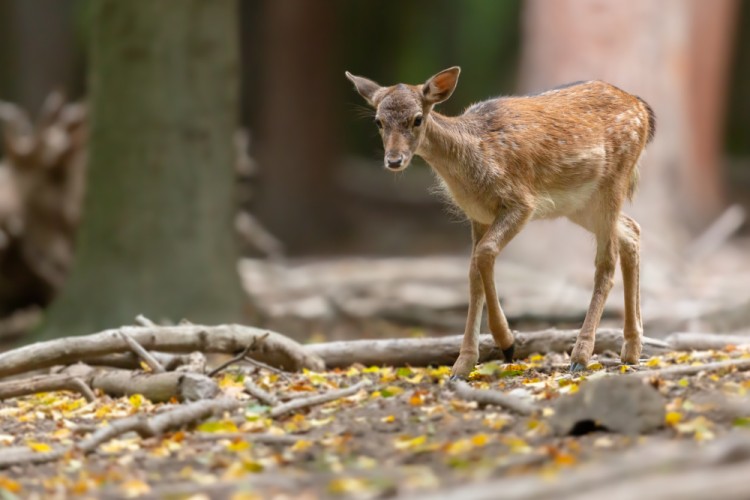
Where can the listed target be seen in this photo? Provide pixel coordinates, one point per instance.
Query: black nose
(394, 161)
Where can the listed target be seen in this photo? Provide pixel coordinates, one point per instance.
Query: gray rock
(621, 404)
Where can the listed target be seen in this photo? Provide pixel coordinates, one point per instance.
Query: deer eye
(418, 120)
(378, 123)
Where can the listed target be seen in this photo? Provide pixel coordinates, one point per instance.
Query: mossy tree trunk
(156, 235)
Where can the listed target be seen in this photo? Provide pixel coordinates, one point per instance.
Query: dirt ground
(406, 433)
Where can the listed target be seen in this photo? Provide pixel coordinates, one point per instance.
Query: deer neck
(449, 146)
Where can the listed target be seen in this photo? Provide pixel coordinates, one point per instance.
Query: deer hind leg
(607, 246)
(469, 353)
(629, 240)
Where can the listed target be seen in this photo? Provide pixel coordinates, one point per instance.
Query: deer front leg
(606, 260)
(469, 353)
(505, 227)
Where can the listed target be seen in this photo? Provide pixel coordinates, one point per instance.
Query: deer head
(402, 112)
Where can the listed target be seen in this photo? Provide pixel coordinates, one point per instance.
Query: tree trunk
(156, 236)
(653, 50)
(38, 44)
(296, 137)
(675, 55)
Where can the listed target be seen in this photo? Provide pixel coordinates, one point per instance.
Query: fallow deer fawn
(571, 151)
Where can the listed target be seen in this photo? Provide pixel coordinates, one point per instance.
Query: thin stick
(265, 366)
(232, 361)
(259, 394)
(171, 419)
(741, 364)
(144, 321)
(495, 398)
(142, 353)
(84, 389)
(318, 399)
(244, 436)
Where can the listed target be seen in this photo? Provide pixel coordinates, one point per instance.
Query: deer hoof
(577, 367)
(508, 353)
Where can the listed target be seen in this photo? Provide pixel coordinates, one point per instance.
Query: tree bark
(296, 137)
(156, 236)
(674, 54)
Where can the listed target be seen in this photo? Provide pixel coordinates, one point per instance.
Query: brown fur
(572, 151)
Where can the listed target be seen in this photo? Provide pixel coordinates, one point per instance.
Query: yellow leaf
(39, 447)
(536, 357)
(683, 382)
(237, 446)
(409, 443)
(653, 362)
(9, 485)
(480, 439)
(458, 447)
(391, 390)
(595, 366)
(516, 444)
(389, 419)
(371, 369)
(245, 495)
(348, 485)
(136, 400)
(62, 433)
(416, 399)
(301, 445)
(218, 426)
(564, 459)
(439, 373)
(673, 418)
(135, 487)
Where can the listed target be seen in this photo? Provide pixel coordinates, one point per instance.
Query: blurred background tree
(156, 237)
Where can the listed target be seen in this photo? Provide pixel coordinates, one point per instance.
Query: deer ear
(365, 87)
(440, 87)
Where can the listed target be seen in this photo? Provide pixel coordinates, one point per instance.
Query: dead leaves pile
(406, 432)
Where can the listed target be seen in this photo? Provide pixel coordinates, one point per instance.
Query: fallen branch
(45, 383)
(160, 423)
(263, 438)
(259, 394)
(495, 398)
(742, 364)
(157, 387)
(318, 399)
(170, 362)
(705, 341)
(277, 350)
(142, 353)
(444, 350)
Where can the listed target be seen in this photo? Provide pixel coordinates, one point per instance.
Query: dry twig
(259, 394)
(142, 353)
(741, 364)
(317, 399)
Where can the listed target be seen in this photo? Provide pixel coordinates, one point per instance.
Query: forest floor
(406, 434)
